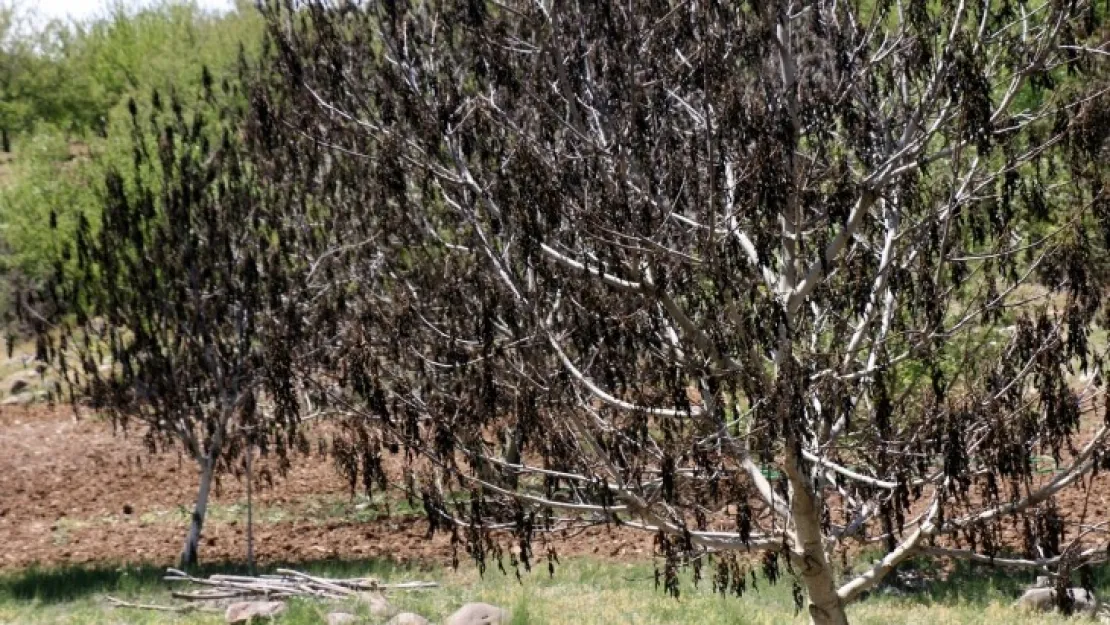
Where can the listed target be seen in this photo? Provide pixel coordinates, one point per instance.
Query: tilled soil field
(72, 491)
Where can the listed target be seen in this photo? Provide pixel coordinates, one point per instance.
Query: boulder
(377, 604)
(249, 611)
(408, 618)
(1043, 599)
(22, 399)
(341, 618)
(479, 614)
(20, 381)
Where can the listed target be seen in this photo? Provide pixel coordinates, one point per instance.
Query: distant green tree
(17, 73)
(74, 74)
(63, 82)
(128, 52)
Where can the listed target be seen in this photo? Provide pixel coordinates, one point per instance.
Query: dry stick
(288, 583)
(245, 579)
(254, 588)
(118, 603)
(209, 596)
(322, 582)
(409, 586)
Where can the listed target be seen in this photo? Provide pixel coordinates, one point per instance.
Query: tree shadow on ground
(981, 584)
(71, 583)
(970, 582)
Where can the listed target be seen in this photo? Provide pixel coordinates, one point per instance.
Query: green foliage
(72, 75)
(64, 93)
(130, 53)
(49, 181)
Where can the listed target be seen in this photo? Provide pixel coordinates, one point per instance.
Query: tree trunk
(189, 554)
(510, 452)
(822, 616)
(5, 140)
(825, 606)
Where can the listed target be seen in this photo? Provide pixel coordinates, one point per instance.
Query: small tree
(676, 248)
(165, 311)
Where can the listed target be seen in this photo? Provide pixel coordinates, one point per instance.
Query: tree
(675, 248)
(18, 65)
(38, 83)
(164, 313)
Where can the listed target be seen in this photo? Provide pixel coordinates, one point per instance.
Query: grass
(317, 510)
(581, 591)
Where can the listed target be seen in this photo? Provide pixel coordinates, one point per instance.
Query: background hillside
(64, 84)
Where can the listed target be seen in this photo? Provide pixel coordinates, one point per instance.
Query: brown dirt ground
(73, 492)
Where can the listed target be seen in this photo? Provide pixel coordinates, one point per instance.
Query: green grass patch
(580, 591)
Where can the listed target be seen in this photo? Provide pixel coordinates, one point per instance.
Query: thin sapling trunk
(192, 541)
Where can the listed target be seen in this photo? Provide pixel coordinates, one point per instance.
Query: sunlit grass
(581, 591)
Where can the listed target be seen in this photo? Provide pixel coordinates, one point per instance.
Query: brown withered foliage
(769, 276)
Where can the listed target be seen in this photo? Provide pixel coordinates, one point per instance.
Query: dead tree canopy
(166, 309)
(751, 276)
(621, 262)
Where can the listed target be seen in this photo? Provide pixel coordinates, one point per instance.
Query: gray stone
(22, 399)
(408, 618)
(479, 614)
(1044, 600)
(20, 381)
(341, 618)
(1038, 599)
(249, 611)
(377, 604)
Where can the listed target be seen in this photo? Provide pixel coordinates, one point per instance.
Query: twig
(209, 596)
(287, 583)
(119, 603)
(409, 586)
(316, 580)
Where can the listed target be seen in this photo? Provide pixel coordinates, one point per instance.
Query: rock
(341, 618)
(23, 399)
(479, 614)
(1044, 600)
(248, 611)
(377, 604)
(408, 618)
(1038, 599)
(20, 381)
(1085, 601)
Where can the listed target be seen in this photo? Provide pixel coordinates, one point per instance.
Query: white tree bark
(192, 541)
(825, 606)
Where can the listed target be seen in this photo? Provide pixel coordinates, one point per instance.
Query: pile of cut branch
(283, 584)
